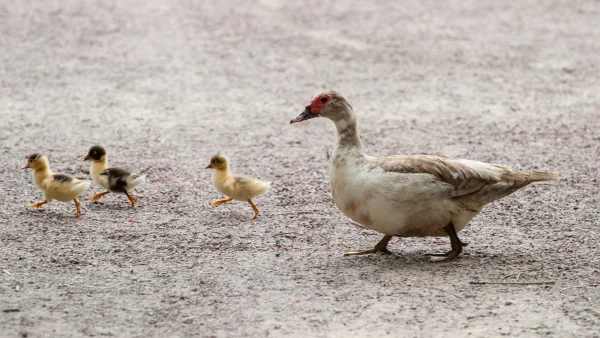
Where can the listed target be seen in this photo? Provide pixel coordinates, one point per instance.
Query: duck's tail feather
(511, 182)
(81, 186)
(523, 178)
(261, 188)
(136, 179)
(537, 176)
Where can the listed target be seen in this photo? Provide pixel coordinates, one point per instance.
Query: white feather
(134, 182)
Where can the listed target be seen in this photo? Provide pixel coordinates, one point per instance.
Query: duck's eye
(324, 99)
(213, 161)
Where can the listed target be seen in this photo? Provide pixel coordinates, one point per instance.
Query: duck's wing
(64, 184)
(238, 181)
(465, 176)
(56, 181)
(116, 172)
(251, 185)
(63, 178)
(117, 178)
(472, 183)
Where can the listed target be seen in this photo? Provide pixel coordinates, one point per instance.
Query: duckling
(112, 179)
(60, 187)
(235, 186)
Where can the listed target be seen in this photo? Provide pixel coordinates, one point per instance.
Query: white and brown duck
(60, 187)
(115, 180)
(409, 195)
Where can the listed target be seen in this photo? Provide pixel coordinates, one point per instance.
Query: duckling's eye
(213, 161)
(324, 99)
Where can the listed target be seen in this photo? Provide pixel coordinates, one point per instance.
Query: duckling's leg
(456, 243)
(37, 205)
(381, 248)
(98, 195)
(131, 199)
(78, 213)
(253, 207)
(216, 203)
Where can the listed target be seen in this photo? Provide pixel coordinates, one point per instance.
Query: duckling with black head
(115, 180)
(235, 186)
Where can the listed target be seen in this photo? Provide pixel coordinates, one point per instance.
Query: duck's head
(329, 104)
(96, 154)
(218, 162)
(36, 162)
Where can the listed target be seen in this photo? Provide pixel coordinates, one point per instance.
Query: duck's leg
(455, 242)
(98, 195)
(37, 205)
(78, 212)
(381, 248)
(254, 208)
(131, 199)
(216, 203)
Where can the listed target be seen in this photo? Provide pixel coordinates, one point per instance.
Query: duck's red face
(314, 108)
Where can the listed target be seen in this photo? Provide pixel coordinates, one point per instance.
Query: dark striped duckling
(114, 180)
(59, 187)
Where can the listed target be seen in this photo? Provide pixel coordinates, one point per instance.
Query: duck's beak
(85, 158)
(305, 115)
(26, 166)
(208, 167)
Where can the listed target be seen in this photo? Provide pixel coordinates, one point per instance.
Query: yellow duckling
(235, 186)
(60, 187)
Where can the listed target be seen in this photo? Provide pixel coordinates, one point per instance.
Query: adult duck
(409, 195)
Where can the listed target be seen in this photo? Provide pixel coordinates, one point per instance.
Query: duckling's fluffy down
(64, 192)
(242, 187)
(136, 180)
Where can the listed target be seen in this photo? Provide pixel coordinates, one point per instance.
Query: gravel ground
(166, 84)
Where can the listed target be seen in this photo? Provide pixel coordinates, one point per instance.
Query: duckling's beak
(208, 167)
(305, 115)
(26, 166)
(85, 158)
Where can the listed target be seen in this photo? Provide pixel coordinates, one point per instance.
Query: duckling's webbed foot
(456, 243)
(78, 212)
(37, 205)
(253, 208)
(380, 248)
(98, 195)
(131, 199)
(216, 203)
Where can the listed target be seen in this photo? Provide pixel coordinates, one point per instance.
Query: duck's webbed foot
(216, 203)
(98, 195)
(380, 248)
(456, 243)
(37, 205)
(441, 257)
(131, 199)
(253, 208)
(77, 204)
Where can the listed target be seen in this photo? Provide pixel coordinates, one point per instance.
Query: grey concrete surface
(163, 85)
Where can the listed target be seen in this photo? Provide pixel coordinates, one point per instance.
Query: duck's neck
(97, 167)
(221, 174)
(39, 175)
(348, 141)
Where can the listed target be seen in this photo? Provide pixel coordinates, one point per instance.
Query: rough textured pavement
(166, 84)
